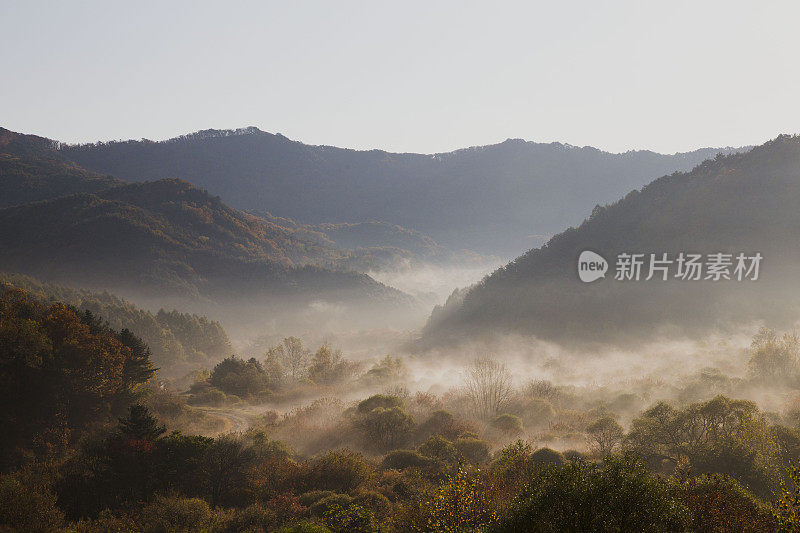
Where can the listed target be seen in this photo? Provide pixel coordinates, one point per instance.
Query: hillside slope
(497, 199)
(738, 203)
(168, 238)
(31, 169)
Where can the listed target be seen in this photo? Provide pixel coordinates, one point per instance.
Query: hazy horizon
(416, 78)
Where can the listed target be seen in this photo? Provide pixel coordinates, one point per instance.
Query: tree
(619, 494)
(605, 434)
(488, 387)
(507, 423)
(140, 424)
(295, 357)
(772, 357)
(386, 428)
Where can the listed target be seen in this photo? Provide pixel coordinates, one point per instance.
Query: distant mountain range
(164, 241)
(740, 203)
(497, 199)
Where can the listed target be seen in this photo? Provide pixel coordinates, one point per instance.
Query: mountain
(31, 169)
(739, 203)
(169, 243)
(496, 199)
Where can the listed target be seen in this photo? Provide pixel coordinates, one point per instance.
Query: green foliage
(172, 336)
(245, 379)
(349, 519)
(437, 447)
(401, 459)
(383, 421)
(28, 504)
(773, 358)
(475, 451)
(340, 471)
(606, 434)
(176, 514)
(719, 503)
(507, 423)
(59, 375)
(140, 424)
(618, 494)
(717, 436)
(378, 400)
(547, 457)
(329, 367)
(386, 371)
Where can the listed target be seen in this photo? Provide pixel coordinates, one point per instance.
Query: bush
(322, 506)
(309, 498)
(536, 413)
(378, 400)
(440, 448)
(350, 519)
(255, 517)
(402, 459)
(176, 514)
(340, 471)
(507, 423)
(305, 527)
(26, 505)
(386, 429)
(720, 503)
(473, 450)
(618, 494)
(547, 457)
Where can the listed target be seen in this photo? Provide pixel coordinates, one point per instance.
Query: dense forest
(740, 203)
(175, 339)
(93, 442)
(513, 189)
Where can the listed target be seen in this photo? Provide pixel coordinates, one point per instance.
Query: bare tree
(292, 356)
(488, 387)
(605, 434)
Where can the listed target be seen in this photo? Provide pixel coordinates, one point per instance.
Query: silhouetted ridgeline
(736, 203)
(496, 199)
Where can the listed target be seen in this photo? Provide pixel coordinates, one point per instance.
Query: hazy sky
(406, 76)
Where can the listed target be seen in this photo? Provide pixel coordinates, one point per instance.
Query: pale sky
(406, 76)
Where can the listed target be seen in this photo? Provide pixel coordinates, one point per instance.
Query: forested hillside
(31, 170)
(174, 337)
(496, 199)
(168, 237)
(742, 203)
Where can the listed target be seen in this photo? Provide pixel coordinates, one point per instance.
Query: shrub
(720, 503)
(254, 517)
(378, 400)
(27, 505)
(537, 412)
(507, 423)
(176, 514)
(473, 450)
(307, 499)
(402, 459)
(350, 519)
(618, 494)
(440, 448)
(340, 471)
(322, 506)
(386, 428)
(547, 457)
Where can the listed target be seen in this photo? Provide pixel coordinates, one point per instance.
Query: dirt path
(237, 420)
